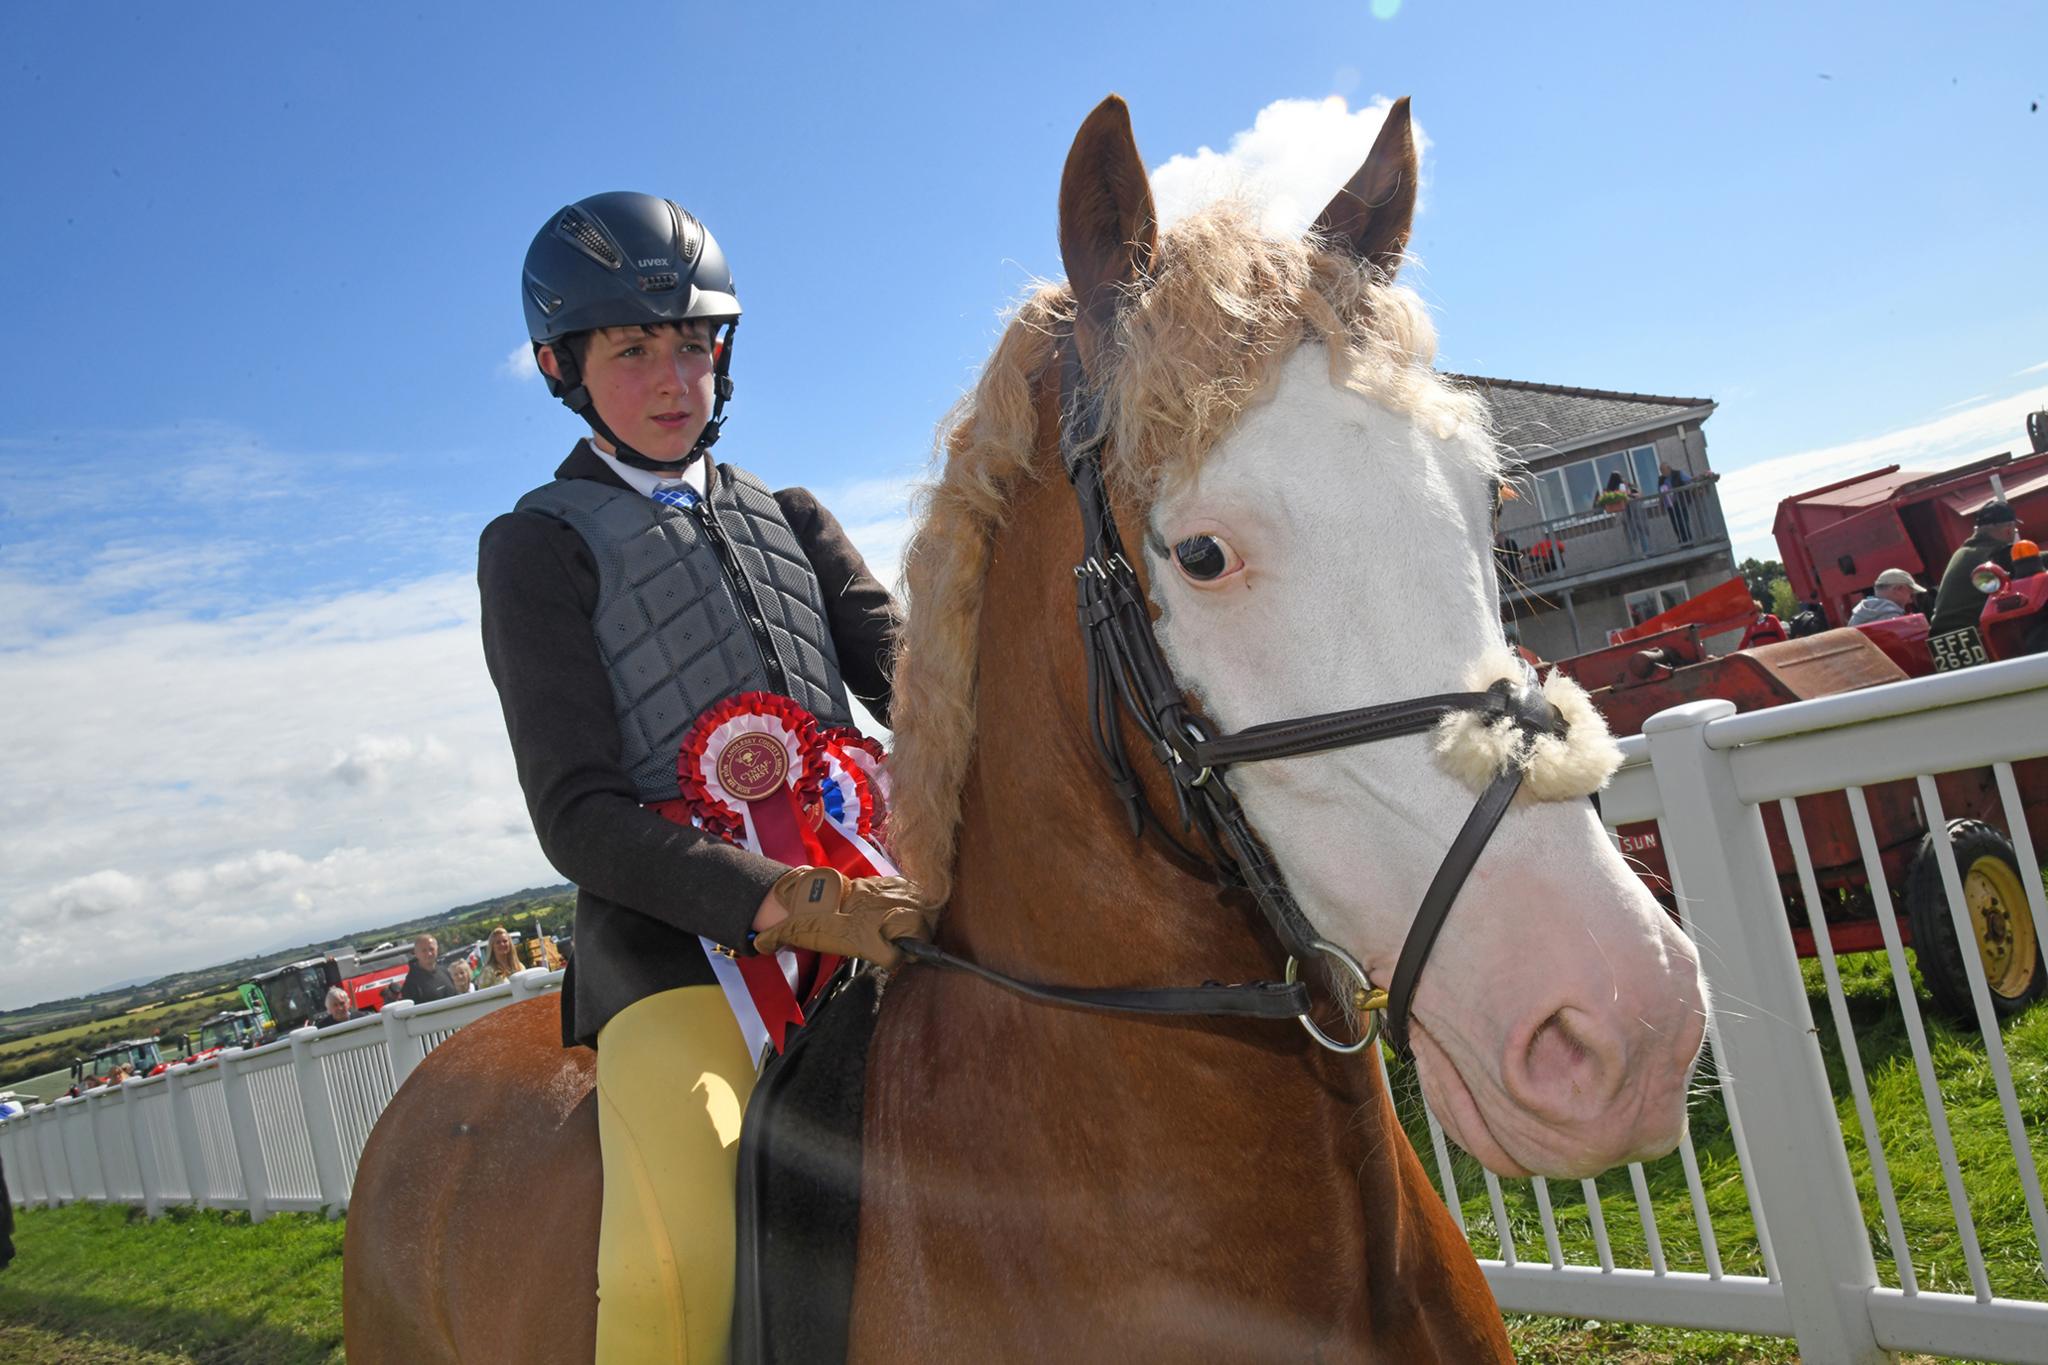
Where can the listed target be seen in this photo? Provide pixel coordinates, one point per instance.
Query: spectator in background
(1958, 603)
(1895, 594)
(1766, 629)
(501, 959)
(340, 1009)
(426, 979)
(1676, 508)
(458, 973)
(1627, 509)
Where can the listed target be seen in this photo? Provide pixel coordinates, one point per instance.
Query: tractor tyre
(2007, 941)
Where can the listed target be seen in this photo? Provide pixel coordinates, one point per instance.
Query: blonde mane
(1193, 349)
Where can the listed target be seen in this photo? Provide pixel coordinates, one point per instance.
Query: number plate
(1956, 649)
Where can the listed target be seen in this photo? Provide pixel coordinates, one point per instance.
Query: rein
(1128, 676)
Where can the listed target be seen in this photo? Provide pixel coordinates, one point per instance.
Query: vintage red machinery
(1835, 541)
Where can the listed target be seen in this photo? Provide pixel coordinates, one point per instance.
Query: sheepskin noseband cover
(1476, 750)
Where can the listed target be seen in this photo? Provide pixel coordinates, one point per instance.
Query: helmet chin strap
(575, 396)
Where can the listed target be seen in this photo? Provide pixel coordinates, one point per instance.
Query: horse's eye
(1204, 558)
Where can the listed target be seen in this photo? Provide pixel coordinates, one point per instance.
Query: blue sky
(262, 273)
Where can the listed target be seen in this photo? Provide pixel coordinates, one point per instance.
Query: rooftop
(1536, 420)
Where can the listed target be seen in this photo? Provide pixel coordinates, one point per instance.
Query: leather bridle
(1128, 676)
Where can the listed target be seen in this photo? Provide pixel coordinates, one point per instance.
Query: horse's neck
(1050, 882)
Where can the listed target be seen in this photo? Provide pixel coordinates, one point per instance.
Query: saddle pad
(799, 1186)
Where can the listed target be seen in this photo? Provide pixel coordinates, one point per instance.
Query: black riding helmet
(623, 260)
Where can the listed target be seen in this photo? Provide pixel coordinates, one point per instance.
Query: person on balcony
(1894, 594)
(1628, 508)
(1677, 509)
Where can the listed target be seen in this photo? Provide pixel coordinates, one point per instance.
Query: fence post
(70, 1194)
(34, 1188)
(1719, 851)
(243, 1132)
(404, 1050)
(316, 1100)
(525, 983)
(66, 1131)
(186, 1125)
(145, 1151)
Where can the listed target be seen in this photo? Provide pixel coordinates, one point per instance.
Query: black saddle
(799, 1185)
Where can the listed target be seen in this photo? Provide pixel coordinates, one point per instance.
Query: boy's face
(654, 388)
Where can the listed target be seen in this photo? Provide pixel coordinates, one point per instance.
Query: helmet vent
(546, 301)
(584, 235)
(658, 284)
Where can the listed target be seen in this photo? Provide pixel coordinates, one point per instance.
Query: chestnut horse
(1313, 505)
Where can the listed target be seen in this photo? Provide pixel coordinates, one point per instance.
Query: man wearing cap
(1958, 603)
(1896, 595)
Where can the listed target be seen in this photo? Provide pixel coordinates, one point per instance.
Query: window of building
(1655, 601)
(1571, 488)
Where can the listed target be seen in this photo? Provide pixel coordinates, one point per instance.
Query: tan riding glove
(830, 912)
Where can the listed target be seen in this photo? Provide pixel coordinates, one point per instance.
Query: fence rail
(1775, 1237)
(273, 1129)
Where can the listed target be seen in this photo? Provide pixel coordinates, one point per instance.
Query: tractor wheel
(2008, 943)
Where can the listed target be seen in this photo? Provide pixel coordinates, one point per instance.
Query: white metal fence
(277, 1128)
(1778, 1240)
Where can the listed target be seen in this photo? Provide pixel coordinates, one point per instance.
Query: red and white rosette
(754, 770)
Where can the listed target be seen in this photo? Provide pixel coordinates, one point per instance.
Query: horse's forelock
(1194, 348)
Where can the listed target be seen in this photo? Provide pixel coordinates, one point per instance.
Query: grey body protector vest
(695, 606)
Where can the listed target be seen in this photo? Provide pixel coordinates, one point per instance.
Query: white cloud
(2035, 369)
(519, 363)
(1750, 495)
(1296, 155)
(187, 788)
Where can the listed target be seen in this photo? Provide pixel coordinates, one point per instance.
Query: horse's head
(1317, 507)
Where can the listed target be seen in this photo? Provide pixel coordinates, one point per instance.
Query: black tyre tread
(1934, 939)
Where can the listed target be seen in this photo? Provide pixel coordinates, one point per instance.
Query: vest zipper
(743, 589)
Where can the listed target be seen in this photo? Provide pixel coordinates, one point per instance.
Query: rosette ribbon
(757, 771)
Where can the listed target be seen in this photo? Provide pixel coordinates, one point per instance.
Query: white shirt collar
(643, 481)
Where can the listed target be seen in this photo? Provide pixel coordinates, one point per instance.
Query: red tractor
(1835, 541)
(294, 994)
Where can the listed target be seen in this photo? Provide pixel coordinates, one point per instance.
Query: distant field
(54, 1051)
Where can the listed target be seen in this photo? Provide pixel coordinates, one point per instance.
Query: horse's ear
(1107, 229)
(1371, 214)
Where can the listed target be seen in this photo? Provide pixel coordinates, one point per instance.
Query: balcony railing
(1648, 527)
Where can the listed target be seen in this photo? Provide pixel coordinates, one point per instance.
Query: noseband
(1128, 676)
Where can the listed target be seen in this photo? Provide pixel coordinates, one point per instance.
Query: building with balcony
(1571, 569)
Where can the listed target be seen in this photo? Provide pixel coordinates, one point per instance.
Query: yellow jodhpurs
(673, 1078)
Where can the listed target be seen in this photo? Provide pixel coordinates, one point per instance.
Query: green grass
(1990, 1178)
(94, 1283)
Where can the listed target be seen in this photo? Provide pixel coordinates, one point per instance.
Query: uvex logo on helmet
(651, 262)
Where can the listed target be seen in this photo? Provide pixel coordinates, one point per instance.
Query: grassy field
(105, 1285)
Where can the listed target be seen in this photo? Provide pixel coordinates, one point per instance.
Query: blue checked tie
(676, 494)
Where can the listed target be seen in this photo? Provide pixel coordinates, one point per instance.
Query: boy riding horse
(641, 592)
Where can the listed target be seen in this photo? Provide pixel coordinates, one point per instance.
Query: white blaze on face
(1560, 1013)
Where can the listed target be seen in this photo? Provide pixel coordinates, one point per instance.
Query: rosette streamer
(757, 771)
